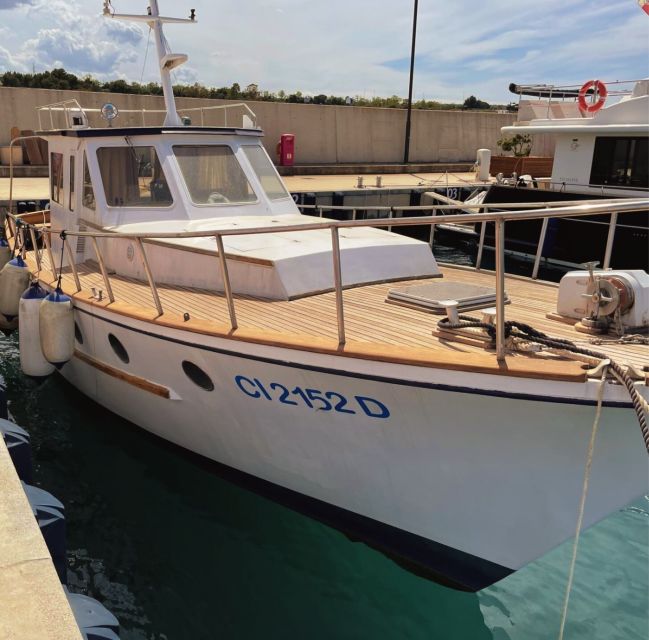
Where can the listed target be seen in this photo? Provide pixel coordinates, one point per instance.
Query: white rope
(582, 503)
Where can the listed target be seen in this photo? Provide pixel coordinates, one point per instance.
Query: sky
(341, 47)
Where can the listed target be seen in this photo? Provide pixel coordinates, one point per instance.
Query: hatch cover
(434, 296)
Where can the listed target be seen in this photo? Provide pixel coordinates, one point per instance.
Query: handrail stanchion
(390, 216)
(32, 235)
(226, 282)
(320, 211)
(23, 248)
(340, 314)
(609, 241)
(539, 248)
(478, 259)
(48, 246)
(102, 267)
(73, 266)
(149, 277)
(500, 289)
(431, 237)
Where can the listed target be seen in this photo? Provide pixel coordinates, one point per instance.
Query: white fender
(56, 325)
(5, 252)
(32, 361)
(14, 279)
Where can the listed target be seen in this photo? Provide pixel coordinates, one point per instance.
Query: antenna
(166, 60)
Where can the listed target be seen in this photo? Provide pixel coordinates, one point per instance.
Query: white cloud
(342, 47)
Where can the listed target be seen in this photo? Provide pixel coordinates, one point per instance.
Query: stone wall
(324, 134)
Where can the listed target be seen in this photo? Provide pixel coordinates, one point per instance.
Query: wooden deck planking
(368, 318)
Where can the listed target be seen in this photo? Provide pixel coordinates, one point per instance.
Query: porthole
(119, 349)
(77, 333)
(197, 376)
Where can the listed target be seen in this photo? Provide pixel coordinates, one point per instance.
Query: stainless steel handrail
(149, 277)
(338, 285)
(102, 267)
(604, 208)
(227, 288)
(499, 218)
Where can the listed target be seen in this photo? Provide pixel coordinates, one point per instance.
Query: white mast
(167, 61)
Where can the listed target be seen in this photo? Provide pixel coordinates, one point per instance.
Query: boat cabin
(179, 179)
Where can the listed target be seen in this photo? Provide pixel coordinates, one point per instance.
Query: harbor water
(177, 552)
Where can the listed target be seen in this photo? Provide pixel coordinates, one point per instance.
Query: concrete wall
(324, 134)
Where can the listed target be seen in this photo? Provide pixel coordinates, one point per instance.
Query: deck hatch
(433, 297)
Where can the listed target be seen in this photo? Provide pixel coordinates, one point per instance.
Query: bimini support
(166, 60)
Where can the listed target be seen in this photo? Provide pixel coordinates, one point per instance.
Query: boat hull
(470, 475)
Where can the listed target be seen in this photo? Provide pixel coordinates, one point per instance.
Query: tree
(473, 103)
(520, 144)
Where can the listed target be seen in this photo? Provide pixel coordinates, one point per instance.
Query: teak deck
(374, 329)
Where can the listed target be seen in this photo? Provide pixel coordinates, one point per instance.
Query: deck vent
(435, 296)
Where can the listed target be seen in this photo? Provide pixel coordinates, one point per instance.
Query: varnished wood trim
(35, 217)
(135, 381)
(518, 366)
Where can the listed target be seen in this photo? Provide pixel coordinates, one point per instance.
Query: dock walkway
(33, 603)
(38, 188)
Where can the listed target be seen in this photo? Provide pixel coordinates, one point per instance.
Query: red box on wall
(286, 149)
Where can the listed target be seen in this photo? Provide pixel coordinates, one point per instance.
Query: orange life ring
(600, 90)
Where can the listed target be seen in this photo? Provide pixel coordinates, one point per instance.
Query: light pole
(406, 151)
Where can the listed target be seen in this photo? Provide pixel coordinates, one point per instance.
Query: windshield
(213, 175)
(266, 173)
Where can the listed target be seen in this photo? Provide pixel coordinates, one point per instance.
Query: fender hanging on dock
(14, 279)
(32, 361)
(56, 328)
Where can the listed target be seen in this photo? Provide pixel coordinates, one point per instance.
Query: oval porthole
(119, 349)
(77, 333)
(197, 376)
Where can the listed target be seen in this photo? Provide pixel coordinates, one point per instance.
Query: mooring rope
(63, 237)
(582, 502)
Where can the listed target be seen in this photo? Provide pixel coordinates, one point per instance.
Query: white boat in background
(601, 134)
(305, 356)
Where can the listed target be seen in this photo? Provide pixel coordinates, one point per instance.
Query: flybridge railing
(558, 94)
(17, 229)
(76, 116)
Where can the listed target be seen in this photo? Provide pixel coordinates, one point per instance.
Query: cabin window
(56, 177)
(133, 177)
(71, 203)
(265, 172)
(88, 193)
(621, 162)
(213, 175)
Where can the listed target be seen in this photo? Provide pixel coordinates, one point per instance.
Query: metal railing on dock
(544, 212)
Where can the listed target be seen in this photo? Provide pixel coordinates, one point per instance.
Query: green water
(178, 553)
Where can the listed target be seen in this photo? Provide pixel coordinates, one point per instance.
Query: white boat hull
(488, 468)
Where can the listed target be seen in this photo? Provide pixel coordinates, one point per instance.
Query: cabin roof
(106, 132)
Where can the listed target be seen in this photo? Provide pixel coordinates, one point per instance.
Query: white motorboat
(601, 134)
(305, 357)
